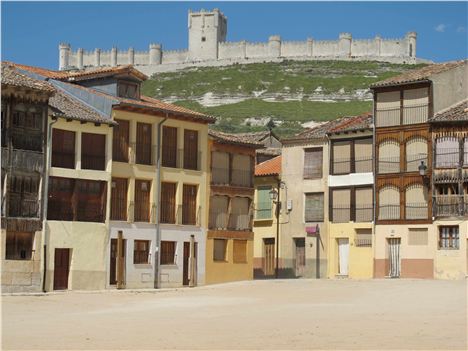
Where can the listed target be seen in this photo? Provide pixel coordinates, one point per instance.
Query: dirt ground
(283, 314)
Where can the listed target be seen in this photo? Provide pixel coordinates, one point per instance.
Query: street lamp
(275, 198)
(422, 169)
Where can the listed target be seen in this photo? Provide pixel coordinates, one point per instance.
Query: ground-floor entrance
(114, 262)
(394, 257)
(269, 256)
(299, 244)
(343, 256)
(61, 268)
(186, 264)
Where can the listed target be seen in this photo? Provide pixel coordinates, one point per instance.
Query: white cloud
(440, 28)
(461, 29)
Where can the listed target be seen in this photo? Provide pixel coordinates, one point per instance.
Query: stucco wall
(450, 87)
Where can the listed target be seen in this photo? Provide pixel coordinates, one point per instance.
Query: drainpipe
(46, 198)
(157, 260)
(374, 186)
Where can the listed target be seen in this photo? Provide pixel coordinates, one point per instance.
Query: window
(418, 237)
(142, 200)
(241, 171)
(416, 151)
(449, 237)
(389, 157)
(141, 252)
(314, 207)
(191, 149)
(143, 144)
(416, 202)
(219, 168)
(219, 212)
(313, 159)
(189, 204)
(363, 155)
(27, 127)
(389, 203)
(239, 251)
(447, 152)
(465, 153)
(341, 200)
(169, 147)
(388, 109)
(363, 238)
(219, 249)
(239, 218)
(63, 148)
(93, 151)
(23, 195)
(128, 90)
(168, 202)
(342, 157)
(168, 252)
(19, 245)
(89, 200)
(59, 204)
(119, 199)
(364, 204)
(120, 141)
(264, 204)
(415, 105)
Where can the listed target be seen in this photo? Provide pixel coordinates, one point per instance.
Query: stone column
(155, 54)
(114, 57)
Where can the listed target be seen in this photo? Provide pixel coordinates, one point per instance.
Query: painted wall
(450, 87)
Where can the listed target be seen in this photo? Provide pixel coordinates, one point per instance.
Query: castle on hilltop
(208, 47)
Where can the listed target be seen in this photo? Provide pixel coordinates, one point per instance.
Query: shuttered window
(119, 199)
(168, 252)
(313, 159)
(341, 212)
(23, 195)
(416, 152)
(241, 170)
(418, 237)
(93, 151)
(364, 204)
(219, 212)
(341, 157)
(389, 203)
(63, 148)
(219, 167)
(264, 204)
(415, 106)
(363, 155)
(239, 218)
(168, 202)
(169, 147)
(142, 200)
(416, 202)
(388, 109)
(389, 157)
(314, 207)
(239, 251)
(191, 149)
(219, 249)
(189, 204)
(141, 251)
(120, 140)
(143, 144)
(363, 238)
(447, 152)
(19, 245)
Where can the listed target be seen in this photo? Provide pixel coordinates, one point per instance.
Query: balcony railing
(346, 213)
(416, 210)
(386, 117)
(23, 159)
(188, 214)
(389, 165)
(239, 221)
(96, 162)
(21, 207)
(364, 213)
(447, 158)
(218, 219)
(341, 165)
(441, 176)
(450, 205)
(63, 159)
(168, 211)
(89, 212)
(241, 177)
(143, 153)
(59, 210)
(32, 142)
(363, 164)
(415, 114)
(389, 212)
(219, 176)
(341, 214)
(189, 160)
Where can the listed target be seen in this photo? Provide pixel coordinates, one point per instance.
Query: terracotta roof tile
(454, 113)
(418, 75)
(237, 139)
(11, 76)
(41, 71)
(254, 136)
(361, 122)
(268, 168)
(317, 132)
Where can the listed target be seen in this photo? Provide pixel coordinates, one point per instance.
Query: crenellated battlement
(207, 44)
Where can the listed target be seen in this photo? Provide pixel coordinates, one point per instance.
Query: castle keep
(208, 47)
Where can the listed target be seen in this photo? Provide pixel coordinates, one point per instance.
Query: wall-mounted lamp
(273, 194)
(422, 169)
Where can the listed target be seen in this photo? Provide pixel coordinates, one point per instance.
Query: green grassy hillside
(341, 82)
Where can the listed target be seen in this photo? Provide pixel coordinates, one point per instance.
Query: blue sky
(31, 32)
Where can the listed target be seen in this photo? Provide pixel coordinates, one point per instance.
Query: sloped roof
(268, 168)
(65, 105)
(11, 76)
(315, 133)
(455, 113)
(270, 151)
(419, 75)
(254, 136)
(236, 139)
(354, 123)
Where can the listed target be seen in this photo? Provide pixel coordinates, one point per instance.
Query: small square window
(449, 238)
(219, 249)
(203, 39)
(141, 252)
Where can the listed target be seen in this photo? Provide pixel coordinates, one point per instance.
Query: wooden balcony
(23, 159)
(450, 205)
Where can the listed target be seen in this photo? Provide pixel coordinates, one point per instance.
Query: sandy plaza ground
(283, 314)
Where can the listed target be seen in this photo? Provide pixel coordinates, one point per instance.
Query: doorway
(343, 256)
(299, 244)
(113, 261)
(269, 256)
(61, 269)
(186, 266)
(394, 257)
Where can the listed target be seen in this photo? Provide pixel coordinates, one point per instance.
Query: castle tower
(411, 39)
(344, 44)
(64, 56)
(206, 30)
(155, 54)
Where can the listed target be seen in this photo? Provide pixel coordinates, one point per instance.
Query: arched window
(416, 151)
(416, 202)
(389, 202)
(447, 152)
(389, 157)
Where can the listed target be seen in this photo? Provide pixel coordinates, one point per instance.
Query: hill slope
(292, 93)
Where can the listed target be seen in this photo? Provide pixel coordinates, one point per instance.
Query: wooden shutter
(264, 204)
(447, 152)
(143, 144)
(219, 167)
(239, 251)
(416, 151)
(363, 155)
(389, 157)
(418, 236)
(168, 202)
(388, 109)
(341, 205)
(389, 203)
(364, 204)
(169, 147)
(190, 149)
(142, 200)
(341, 157)
(93, 151)
(189, 204)
(218, 212)
(168, 252)
(219, 249)
(314, 207)
(415, 105)
(63, 148)
(239, 216)
(119, 199)
(416, 202)
(313, 159)
(120, 140)
(241, 173)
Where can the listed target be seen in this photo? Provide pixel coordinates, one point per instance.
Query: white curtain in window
(389, 203)
(416, 202)
(416, 152)
(389, 156)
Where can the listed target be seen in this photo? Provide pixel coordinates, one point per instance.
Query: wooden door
(169, 147)
(61, 269)
(121, 135)
(300, 256)
(394, 257)
(190, 149)
(142, 200)
(343, 256)
(113, 260)
(143, 145)
(186, 267)
(269, 257)
(189, 204)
